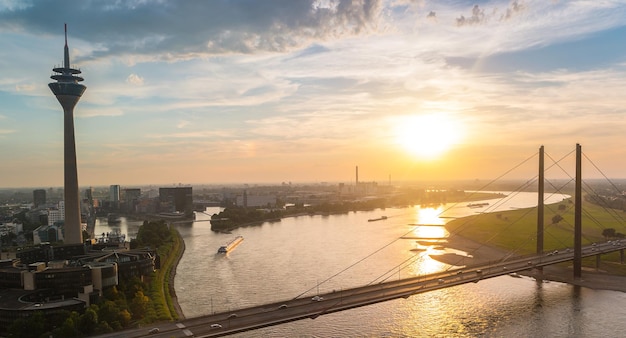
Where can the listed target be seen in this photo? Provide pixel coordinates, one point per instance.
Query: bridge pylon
(540, 213)
(577, 266)
(578, 216)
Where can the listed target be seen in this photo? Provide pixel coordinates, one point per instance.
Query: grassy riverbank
(161, 289)
(515, 230)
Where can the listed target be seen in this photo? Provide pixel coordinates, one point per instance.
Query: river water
(308, 254)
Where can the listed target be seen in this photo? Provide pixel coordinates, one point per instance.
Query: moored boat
(477, 205)
(172, 215)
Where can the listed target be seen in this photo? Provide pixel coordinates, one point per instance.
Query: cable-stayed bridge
(245, 319)
(304, 307)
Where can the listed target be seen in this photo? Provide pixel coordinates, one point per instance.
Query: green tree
(103, 327)
(34, 326)
(153, 234)
(125, 317)
(130, 286)
(69, 328)
(88, 321)
(139, 305)
(608, 233)
(18, 329)
(556, 219)
(109, 312)
(113, 294)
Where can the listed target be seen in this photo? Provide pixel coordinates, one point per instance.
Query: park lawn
(515, 230)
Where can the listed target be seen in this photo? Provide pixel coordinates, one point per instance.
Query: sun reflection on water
(426, 265)
(425, 215)
(430, 232)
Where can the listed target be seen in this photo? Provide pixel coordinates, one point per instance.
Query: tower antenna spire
(66, 51)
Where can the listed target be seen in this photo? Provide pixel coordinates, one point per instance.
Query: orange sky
(306, 94)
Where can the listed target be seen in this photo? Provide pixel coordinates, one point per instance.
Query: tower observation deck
(68, 91)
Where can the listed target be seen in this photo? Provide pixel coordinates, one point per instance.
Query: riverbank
(231, 218)
(598, 280)
(172, 290)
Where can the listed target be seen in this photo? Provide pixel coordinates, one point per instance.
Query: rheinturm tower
(68, 91)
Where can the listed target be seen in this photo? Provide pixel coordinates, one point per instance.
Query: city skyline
(246, 92)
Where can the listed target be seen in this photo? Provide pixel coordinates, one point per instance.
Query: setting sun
(427, 136)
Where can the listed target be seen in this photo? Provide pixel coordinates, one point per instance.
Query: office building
(114, 194)
(39, 198)
(178, 199)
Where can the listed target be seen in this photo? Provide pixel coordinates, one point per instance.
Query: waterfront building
(177, 199)
(68, 91)
(19, 304)
(256, 201)
(68, 277)
(131, 199)
(114, 193)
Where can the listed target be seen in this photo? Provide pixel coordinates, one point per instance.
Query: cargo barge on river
(230, 246)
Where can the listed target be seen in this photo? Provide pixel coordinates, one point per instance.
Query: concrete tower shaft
(68, 91)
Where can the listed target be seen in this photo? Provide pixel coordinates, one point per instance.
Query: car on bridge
(216, 326)
(317, 299)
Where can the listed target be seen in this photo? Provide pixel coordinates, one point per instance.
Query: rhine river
(281, 260)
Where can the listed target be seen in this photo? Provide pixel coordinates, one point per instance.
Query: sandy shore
(591, 278)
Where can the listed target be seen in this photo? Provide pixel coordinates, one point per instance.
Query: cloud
(184, 29)
(311, 78)
(25, 87)
(515, 8)
(182, 124)
(134, 79)
(93, 112)
(478, 16)
(11, 5)
(219, 134)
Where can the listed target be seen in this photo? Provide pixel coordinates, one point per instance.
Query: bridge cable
(457, 231)
(460, 229)
(493, 207)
